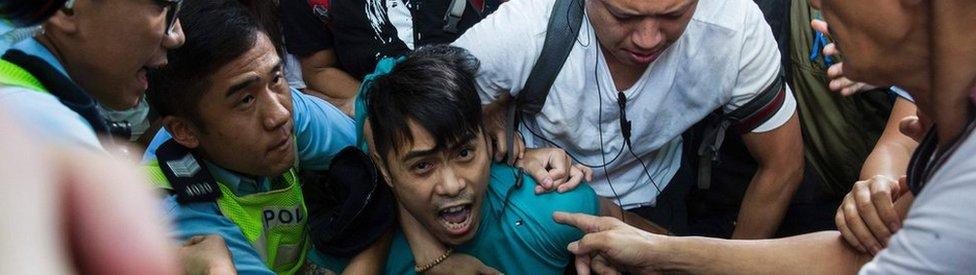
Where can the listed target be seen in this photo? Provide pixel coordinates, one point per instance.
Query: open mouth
(457, 219)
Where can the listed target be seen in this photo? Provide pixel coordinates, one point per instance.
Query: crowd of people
(487, 136)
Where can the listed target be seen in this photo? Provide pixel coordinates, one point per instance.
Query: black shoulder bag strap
(563, 29)
(741, 121)
(453, 15)
(60, 86)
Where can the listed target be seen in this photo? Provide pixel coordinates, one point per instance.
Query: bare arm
(780, 156)
(893, 150)
(327, 81)
(425, 247)
(638, 252)
(815, 253)
(875, 207)
(373, 259)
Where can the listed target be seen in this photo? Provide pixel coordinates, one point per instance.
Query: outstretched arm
(373, 259)
(639, 252)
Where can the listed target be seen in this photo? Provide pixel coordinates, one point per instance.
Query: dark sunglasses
(172, 13)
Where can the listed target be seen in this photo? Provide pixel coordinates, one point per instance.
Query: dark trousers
(670, 211)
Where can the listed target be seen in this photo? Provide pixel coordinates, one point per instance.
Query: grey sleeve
(937, 236)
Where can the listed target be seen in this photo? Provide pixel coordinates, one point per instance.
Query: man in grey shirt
(936, 236)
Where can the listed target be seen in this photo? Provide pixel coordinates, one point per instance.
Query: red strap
(323, 3)
(747, 124)
(478, 5)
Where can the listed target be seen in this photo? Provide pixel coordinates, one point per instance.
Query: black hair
(217, 32)
(434, 86)
(29, 13)
(267, 12)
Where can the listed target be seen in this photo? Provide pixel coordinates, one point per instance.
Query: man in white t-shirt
(675, 62)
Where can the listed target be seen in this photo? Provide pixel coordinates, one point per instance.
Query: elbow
(794, 176)
(796, 171)
(313, 70)
(794, 165)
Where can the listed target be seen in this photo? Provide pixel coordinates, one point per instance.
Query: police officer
(235, 135)
(88, 54)
(31, 82)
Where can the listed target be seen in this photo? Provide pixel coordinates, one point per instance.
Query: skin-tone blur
(69, 211)
(107, 45)
(247, 112)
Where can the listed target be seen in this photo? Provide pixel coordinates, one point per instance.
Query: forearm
(424, 246)
(333, 85)
(326, 80)
(779, 153)
(815, 253)
(890, 160)
(893, 150)
(373, 259)
(765, 202)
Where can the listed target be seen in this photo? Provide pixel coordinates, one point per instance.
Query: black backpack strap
(190, 179)
(561, 32)
(452, 17)
(62, 87)
(741, 121)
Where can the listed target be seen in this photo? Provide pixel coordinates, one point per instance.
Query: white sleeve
(937, 236)
(782, 115)
(759, 66)
(507, 43)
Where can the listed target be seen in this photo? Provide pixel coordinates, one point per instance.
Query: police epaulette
(191, 181)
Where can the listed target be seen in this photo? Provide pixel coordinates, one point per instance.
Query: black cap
(350, 206)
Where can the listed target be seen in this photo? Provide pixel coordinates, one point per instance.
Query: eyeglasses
(172, 13)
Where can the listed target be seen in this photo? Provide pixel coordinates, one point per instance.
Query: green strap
(13, 75)
(156, 176)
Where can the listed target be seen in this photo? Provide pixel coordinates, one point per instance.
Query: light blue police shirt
(42, 112)
(321, 131)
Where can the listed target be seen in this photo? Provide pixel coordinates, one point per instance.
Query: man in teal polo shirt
(437, 160)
